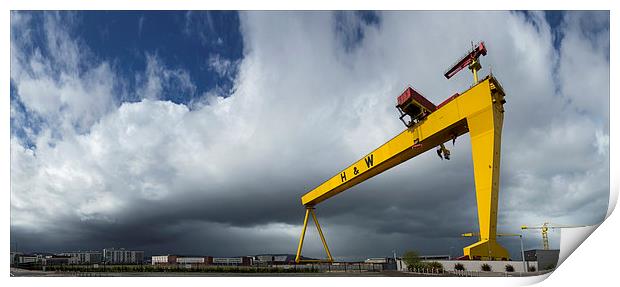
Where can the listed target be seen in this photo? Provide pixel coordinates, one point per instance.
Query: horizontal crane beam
(448, 121)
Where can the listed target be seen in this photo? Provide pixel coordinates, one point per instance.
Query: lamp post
(522, 252)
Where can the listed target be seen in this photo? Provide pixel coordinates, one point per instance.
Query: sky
(196, 132)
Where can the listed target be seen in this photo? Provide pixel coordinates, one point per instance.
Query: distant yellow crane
(478, 111)
(545, 231)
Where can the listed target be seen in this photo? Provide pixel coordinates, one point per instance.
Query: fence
(83, 270)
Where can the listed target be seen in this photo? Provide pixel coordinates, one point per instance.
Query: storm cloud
(313, 92)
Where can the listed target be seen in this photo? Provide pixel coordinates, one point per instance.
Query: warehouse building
(122, 256)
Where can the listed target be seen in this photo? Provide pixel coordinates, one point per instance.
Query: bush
(417, 266)
(532, 269)
(426, 267)
(411, 258)
(459, 267)
(509, 268)
(485, 267)
(436, 266)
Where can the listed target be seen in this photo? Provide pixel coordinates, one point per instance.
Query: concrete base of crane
(486, 250)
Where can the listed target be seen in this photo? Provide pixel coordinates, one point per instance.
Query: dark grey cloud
(226, 178)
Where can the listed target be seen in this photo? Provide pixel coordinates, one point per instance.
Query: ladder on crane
(478, 111)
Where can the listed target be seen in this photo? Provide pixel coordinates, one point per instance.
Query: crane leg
(318, 227)
(310, 211)
(485, 128)
(301, 239)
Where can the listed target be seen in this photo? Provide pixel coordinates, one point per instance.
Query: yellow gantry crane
(545, 231)
(478, 111)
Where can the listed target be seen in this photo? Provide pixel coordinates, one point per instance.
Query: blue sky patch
(180, 40)
(350, 26)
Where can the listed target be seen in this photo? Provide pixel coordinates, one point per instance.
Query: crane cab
(413, 104)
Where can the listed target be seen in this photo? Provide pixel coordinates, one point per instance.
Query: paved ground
(28, 273)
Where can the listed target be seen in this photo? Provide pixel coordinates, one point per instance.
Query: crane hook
(443, 152)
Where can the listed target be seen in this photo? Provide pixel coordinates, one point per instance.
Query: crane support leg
(310, 210)
(301, 238)
(318, 227)
(485, 129)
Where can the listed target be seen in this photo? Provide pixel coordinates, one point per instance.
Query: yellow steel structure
(310, 210)
(472, 234)
(479, 111)
(545, 231)
(475, 234)
(475, 67)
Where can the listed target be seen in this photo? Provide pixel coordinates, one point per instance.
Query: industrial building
(274, 259)
(122, 256)
(181, 259)
(56, 260)
(385, 263)
(200, 260)
(545, 258)
(163, 259)
(235, 261)
(84, 257)
(20, 259)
